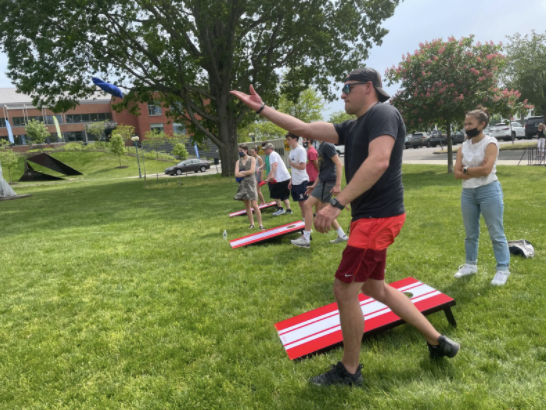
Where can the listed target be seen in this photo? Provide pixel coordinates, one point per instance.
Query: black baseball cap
(366, 74)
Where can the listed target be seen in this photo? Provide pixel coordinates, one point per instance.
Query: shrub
(179, 151)
(73, 146)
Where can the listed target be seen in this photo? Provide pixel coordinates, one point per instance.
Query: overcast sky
(416, 21)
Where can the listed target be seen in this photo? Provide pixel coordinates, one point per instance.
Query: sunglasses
(348, 87)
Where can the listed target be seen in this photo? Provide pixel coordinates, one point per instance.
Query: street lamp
(135, 138)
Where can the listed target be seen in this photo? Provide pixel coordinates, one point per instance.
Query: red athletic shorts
(365, 255)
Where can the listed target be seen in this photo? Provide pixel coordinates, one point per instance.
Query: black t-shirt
(328, 173)
(385, 198)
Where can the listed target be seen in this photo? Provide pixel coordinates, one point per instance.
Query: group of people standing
(374, 144)
(314, 180)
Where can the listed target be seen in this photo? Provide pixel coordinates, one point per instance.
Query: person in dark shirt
(374, 145)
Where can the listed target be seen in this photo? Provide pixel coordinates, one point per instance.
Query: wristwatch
(334, 202)
(465, 170)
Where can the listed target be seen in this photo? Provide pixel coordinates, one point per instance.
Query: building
(18, 109)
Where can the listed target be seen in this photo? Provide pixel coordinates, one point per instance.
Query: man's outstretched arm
(321, 131)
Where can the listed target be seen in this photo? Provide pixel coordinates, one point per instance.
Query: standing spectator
(259, 166)
(278, 180)
(475, 164)
(299, 180)
(541, 136)
(312, 165)
(326, 186)
(244, 172)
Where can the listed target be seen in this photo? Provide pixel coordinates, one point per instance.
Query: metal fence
(534, 156)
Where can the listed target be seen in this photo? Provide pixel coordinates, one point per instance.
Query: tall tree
(526, 68)
(443, 80)
(189, 54)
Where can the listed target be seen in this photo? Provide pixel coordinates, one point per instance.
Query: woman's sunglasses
(348, 87)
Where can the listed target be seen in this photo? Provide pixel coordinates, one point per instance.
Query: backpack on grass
(522, 248)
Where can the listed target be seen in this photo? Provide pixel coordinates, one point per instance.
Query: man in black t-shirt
(374, 145)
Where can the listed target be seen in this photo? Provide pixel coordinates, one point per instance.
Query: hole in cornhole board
(319, 330)
(408, 294)
(267, 235)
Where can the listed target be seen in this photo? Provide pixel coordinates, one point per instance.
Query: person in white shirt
(278, 180)
(475, 164)
(299, 180)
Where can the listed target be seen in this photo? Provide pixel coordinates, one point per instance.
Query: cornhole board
(262, 206)
(319, 329)
(268, 234)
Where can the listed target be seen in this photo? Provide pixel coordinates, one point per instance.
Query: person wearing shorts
(312, 165)
(299, 178)
(279, 180)
(327, 183)
(374, 144)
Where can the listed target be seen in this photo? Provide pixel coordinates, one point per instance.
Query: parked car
(408, 138)
(458, 137)
(501, 131)
(436, 138)
(532, 125)
(188, 165)
(419, 139)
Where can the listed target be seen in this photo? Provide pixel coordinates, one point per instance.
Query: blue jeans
(487, 200)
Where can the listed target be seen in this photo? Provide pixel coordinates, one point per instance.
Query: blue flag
(10, 133)
(196, 149)
(109, 88)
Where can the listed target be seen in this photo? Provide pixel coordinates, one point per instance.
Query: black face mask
(241, 154)
(305, 144)
(473, 132)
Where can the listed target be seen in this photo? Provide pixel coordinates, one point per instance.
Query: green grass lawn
(117, 296)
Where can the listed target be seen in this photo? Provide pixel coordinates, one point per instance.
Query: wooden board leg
(449, 316)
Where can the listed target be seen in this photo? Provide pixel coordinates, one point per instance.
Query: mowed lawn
(118, 296)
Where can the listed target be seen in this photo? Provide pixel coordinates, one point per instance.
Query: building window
(178, 129)
(73, 136)
(154, 109)
(158, 126)
(77, 118)
(2, 123)
(50, 120)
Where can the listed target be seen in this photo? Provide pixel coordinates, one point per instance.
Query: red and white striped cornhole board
(320, 329)
(267, 234)
(262, 206)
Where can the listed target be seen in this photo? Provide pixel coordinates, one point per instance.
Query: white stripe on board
(296, 335)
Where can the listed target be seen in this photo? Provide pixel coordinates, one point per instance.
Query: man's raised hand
(253, 100)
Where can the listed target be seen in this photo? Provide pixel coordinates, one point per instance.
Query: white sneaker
(339, 239)
(466, 270)
(301, 242)
(279, 212)
(501, 277)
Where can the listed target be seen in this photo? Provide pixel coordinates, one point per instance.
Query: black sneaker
(289, 212)
(337, 374)
(446, 347)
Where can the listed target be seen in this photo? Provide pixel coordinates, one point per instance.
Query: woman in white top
(482, 194)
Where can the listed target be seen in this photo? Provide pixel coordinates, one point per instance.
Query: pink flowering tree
(443, 80)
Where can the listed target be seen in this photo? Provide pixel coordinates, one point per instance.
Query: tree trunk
(120, 160)
(229, 151)
(450, 148)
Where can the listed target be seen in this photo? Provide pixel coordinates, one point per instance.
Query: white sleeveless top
(473, 156)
